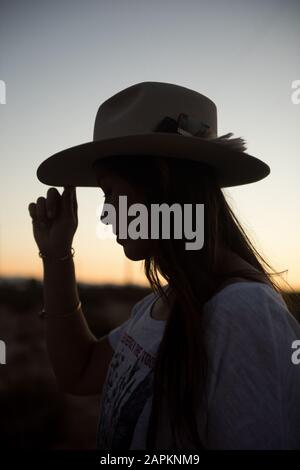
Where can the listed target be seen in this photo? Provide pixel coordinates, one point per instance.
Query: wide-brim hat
(158, 119)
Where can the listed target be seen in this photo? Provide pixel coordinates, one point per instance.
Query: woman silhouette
(204, 361)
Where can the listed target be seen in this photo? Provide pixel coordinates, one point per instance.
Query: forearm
(69, 340)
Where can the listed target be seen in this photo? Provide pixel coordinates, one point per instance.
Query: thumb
(67, 199)
(74, 200)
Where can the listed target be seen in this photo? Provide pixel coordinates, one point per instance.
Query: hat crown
(141, 108)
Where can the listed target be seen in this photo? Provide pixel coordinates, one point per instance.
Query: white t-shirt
(253, 387)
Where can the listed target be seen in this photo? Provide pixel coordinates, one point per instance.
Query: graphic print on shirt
(128, 387)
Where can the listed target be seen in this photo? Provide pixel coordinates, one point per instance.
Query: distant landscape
(34, 412)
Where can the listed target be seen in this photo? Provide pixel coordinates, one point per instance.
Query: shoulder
(237, 301)
(242, 289)
(248, 315)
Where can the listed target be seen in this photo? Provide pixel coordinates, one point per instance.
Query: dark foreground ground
(34, 413)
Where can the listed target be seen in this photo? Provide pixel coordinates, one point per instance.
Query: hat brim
(73, 166)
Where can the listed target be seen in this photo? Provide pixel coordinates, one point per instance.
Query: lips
(120, 241)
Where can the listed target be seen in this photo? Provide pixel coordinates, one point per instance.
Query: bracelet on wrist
(43, 314)
(67, 256)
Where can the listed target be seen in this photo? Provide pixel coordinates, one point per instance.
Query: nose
(105, 220)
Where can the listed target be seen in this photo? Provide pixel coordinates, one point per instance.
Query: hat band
(180, 126)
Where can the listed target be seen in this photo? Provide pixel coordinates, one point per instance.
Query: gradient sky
(61, 59)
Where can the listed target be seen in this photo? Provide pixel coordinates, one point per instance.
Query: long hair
(194, 275)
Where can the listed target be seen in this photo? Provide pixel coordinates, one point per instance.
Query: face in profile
(113, 187)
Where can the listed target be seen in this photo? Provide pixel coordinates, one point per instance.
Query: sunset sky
(60, 60)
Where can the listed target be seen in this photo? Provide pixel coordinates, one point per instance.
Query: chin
(135, 250)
